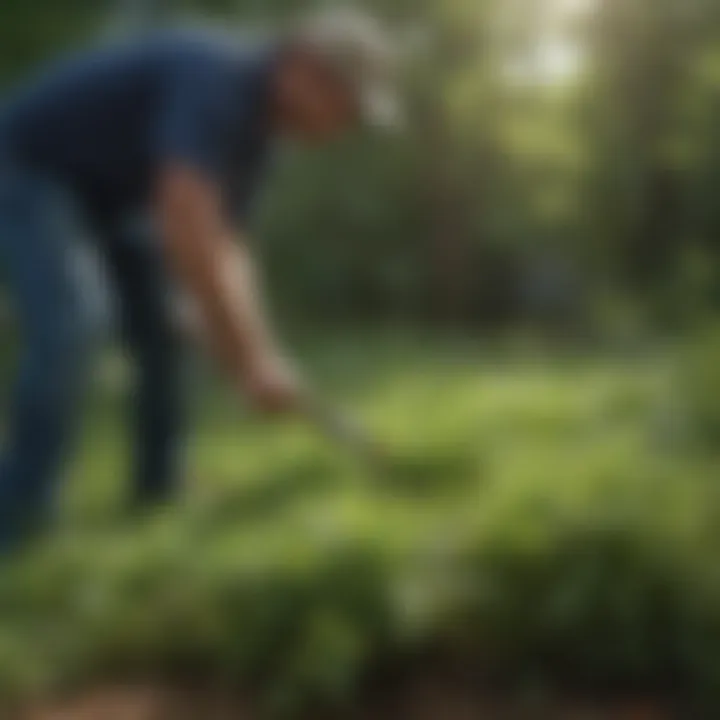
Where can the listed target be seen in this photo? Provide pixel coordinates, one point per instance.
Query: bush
(698, 385)
(573, 552)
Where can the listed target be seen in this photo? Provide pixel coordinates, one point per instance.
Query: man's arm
(220, 278)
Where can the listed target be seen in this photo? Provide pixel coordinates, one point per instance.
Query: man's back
(103, 121)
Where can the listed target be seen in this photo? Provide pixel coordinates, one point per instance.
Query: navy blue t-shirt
(105, 121)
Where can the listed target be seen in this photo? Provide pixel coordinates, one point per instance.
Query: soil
(434, 685)
(424, 701)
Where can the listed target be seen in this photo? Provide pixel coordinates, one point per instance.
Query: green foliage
(699, 385)
(31, 33)
(503, 168)
(572, 550)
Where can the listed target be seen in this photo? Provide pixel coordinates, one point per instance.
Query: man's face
(314, 103)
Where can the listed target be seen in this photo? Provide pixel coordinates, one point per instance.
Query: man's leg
(150, 329)
(38, 239)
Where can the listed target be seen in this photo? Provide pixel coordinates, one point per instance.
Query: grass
(558, 535)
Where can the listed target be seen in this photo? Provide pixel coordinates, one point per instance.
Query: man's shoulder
(166, 49)
(211, 43)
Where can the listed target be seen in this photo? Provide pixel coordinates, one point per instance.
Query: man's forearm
(245, 295)
(220, 278)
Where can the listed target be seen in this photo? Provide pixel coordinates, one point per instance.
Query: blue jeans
(40, 229)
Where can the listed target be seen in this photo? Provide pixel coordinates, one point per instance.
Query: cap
(361, 51)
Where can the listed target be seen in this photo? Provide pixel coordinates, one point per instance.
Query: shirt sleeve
(193, 126)
(208, 123)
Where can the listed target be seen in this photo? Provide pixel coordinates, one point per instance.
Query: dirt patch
(422, 702)
(145, 703)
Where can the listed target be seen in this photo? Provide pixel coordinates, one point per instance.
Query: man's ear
(292, 80)
(301, 61)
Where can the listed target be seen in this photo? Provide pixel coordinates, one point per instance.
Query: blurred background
(521, 290)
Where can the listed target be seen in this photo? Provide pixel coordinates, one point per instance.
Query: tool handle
(341, 428)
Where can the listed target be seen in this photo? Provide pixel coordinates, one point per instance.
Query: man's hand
(272, 386)
(219, 276)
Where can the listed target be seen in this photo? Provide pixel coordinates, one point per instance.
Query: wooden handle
(342, 429)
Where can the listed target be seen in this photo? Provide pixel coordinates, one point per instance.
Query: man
(175, 127)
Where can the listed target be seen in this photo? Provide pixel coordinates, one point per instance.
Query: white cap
(360, 50)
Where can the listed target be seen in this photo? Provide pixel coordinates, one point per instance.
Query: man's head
(337, 71)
